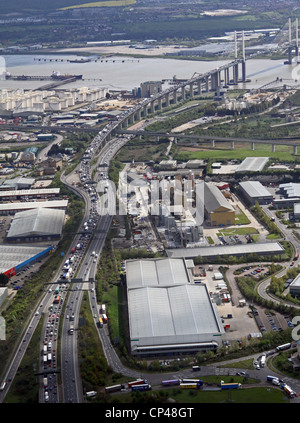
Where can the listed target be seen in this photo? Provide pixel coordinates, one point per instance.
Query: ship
(62, 76)
(79, 60)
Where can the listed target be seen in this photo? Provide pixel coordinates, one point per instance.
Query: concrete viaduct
(213, 139)
(227, 74)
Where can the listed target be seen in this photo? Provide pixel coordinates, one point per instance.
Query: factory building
(217, 209)
(254, 191)
(36, 225)
(168, 313)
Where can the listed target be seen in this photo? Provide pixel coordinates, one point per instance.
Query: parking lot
(240, 324)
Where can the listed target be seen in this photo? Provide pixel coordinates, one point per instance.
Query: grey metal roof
(239, 249)
(255, 189)
(159, 272)
(172, 314)
(291, 189)
(252, 164)
(37, 222)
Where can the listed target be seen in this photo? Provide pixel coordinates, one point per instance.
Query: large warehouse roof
(38, 222)
(255, 189)
(179, 311)
(13, 256)
(252, 164)
(166, 308)
(229, 250)
(162, 272)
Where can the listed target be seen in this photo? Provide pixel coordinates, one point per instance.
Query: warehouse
(18, 183)
(24, 194)
(264, 248)
(254, 191)
(36, 225)
(169, 315)
(15, 258)
(290, 190)
(12, 208)
(217, 208)
(252, 164)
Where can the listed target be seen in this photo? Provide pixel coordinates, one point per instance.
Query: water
(127, 73)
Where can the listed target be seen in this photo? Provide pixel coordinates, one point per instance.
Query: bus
(283, 347)
(100, 322)
(170, 382)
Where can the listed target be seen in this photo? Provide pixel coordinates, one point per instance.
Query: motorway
(102, 210)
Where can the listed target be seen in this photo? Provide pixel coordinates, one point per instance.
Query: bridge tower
(243, 58)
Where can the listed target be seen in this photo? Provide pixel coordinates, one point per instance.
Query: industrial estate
(150, 237)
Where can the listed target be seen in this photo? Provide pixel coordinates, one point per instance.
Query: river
(126, 73)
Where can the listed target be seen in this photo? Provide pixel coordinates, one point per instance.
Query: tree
(3, 279)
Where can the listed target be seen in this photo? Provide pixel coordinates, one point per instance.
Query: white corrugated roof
(238, 249)
(255, 189)
(252, 164)
(159, 272)
(170, 312)
(37, 222)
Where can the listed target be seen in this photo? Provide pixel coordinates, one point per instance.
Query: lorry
(263, 360)
(114, 388)
(143, 387)
(137, 382)
(288, 390)
(194, 385)
(230, 385)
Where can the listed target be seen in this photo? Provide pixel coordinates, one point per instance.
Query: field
(282, 153)
(109, 3)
